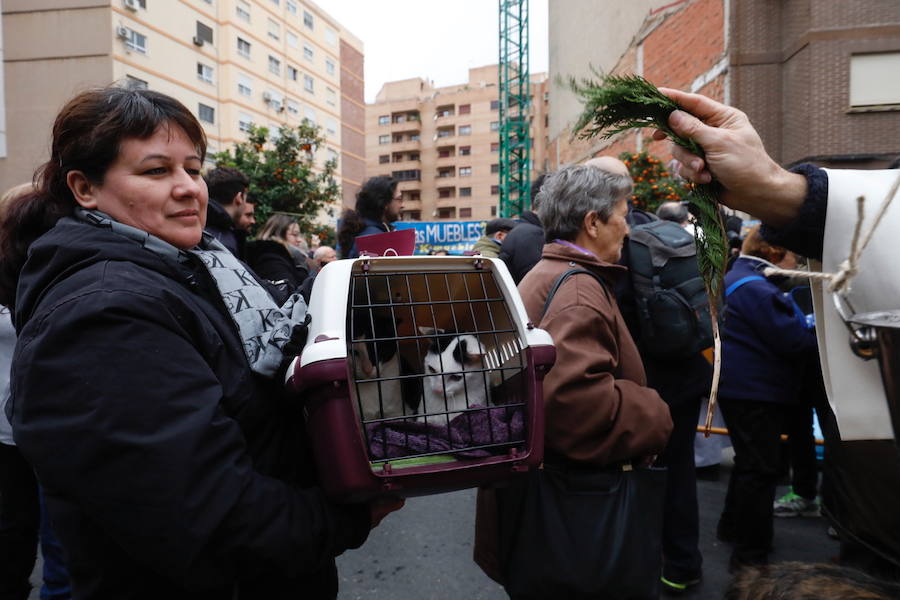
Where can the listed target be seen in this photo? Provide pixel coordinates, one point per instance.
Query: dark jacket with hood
(522, 247)
(220, 224)
(272, 261)
(372, 227)
(170, 470)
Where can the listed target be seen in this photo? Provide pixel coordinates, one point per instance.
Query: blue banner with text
(453, 237)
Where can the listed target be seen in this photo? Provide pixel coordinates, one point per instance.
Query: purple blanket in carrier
(474, 434)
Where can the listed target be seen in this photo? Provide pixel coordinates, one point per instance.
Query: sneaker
(677, 587)
(792, 505)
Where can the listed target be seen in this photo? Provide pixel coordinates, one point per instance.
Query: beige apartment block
(233, 62)
(443, 143)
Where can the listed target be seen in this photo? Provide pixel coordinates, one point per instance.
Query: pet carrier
(420, 375)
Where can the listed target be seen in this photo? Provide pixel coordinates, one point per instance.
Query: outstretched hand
(735, 156)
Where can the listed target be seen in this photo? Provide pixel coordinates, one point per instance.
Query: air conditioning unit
(267, 97)
(122, 32)
(131, 4)
(279, 107)
(198, 41)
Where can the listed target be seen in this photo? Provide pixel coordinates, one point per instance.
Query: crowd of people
(152, 437)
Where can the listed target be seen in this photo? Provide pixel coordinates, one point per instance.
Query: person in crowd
(495, 231)
(269, 255)
(599, 411)
(248, 218)
(523, 245)
(23, 520)
(677, 212)
(378, 205)
(324, 255)
(766, 349)
(226, 221)
(172, 464)
(812, 211)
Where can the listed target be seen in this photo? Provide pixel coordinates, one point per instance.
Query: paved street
(424, 552)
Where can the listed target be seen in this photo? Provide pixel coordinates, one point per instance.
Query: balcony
(407, 175)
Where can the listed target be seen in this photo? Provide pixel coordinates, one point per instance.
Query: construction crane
(515, 109)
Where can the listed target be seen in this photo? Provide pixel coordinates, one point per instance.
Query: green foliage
(653, 184)
(282, 175)
(613, 104)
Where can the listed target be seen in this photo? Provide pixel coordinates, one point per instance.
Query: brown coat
(598, 409)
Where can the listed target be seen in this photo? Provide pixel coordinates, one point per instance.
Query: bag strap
(731, 288)
(562, 278)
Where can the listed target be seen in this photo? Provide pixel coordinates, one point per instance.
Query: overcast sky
(433, 39)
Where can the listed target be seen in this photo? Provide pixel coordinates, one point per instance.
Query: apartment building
(233, 62)
(818, 78)
(443, 143)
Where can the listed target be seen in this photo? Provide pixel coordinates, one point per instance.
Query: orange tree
(653, 183)
(283, 174)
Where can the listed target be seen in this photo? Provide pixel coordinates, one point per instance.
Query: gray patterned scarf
(266, 329)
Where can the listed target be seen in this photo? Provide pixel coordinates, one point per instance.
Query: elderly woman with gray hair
(601, 421)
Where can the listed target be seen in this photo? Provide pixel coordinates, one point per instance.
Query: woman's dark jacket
(272, 260)
(170, 470)
(766, 347)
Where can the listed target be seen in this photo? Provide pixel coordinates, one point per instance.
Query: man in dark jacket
(495, 232)
(225, 216)
(522, 247)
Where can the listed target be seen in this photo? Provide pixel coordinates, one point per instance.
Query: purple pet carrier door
(439, 390)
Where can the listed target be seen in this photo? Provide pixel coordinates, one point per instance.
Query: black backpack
(672, 305)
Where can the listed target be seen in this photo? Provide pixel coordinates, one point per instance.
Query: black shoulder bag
(570, 530)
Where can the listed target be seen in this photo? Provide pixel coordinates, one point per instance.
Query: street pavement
(424, 551)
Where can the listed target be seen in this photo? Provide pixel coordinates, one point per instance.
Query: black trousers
(19, 519)
(755, 429)
(802, 444)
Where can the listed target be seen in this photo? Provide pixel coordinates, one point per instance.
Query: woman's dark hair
(375, 194)
(86, 137)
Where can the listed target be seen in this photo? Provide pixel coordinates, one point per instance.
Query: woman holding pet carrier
(144, 395)
(588, 524)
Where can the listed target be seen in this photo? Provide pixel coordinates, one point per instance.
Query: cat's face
(450, 355)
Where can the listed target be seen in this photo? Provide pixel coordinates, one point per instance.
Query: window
(276, 2)
(291, 7)
(292, 73)
(135, 41)
(465, 130)
(273, 99)
(465, 150)
(329, 66)
(495, 146)
(274, 29)
(465, 212)
(244, 122)
(448, 212)
(441, 133)
(204, 73)
(133, 83)
(245, 85)
(331, 126)
(333, 156)
(384, 120)
(204, 33)
(465, 171)
(495, 168)
(384, 139)
(495, 189)
(465, 109)
(331, 37)
(407, 175)
(465, 192)
(293, 107)
(308, 19)
(330, 96)
(310, 115)
(243, 10)
(495, 105)
(308, 52)
(274, 65)
(495, 125)
(292, 39)
(413, 156)
(494, 211)
(243, 47)
(207, 114)
(384, 158)
(411, 215)
(868, 84)
(309, 84)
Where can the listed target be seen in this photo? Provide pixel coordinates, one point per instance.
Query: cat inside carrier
(420, 375)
